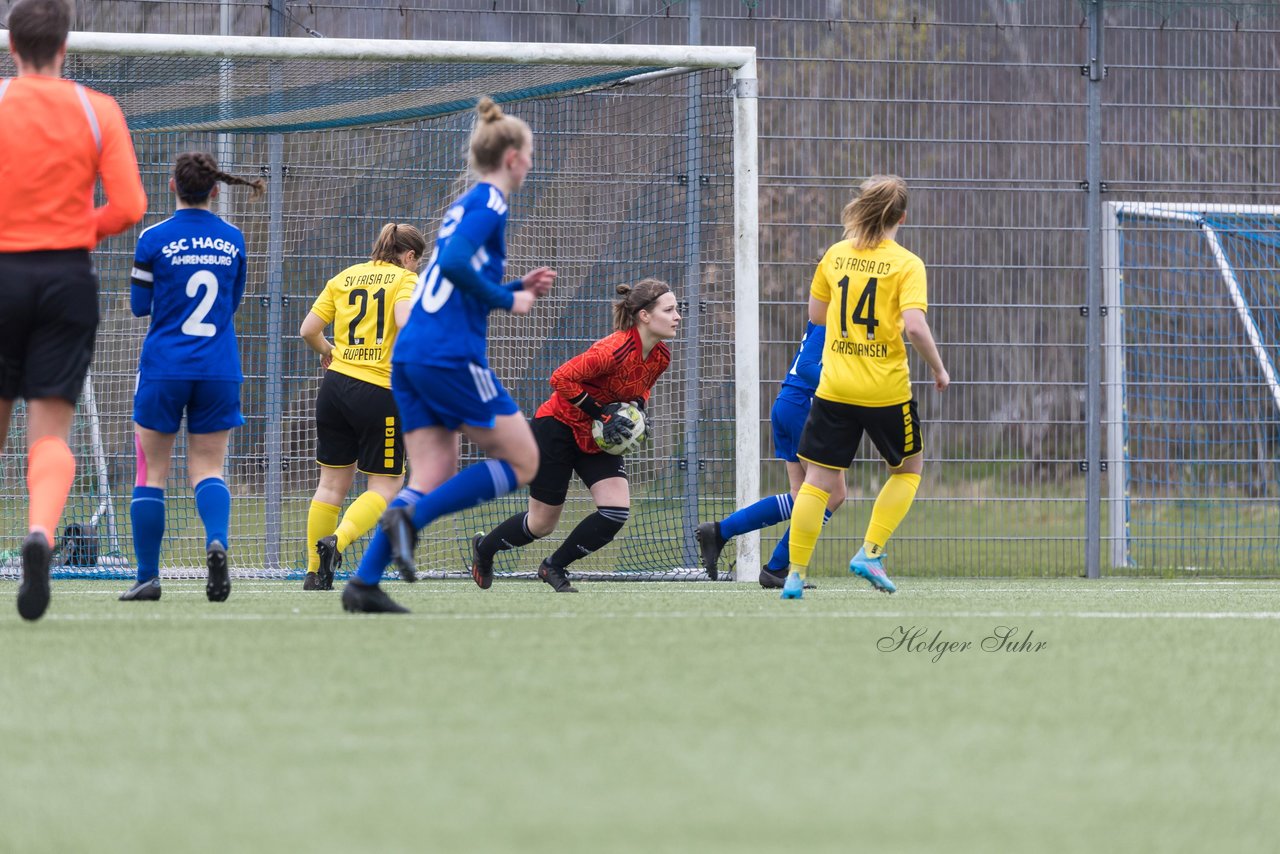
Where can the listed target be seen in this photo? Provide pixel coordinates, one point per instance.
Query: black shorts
(357, 422)
(48, 321)
(833, 430)
(560, 457)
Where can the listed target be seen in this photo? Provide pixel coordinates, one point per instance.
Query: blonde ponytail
(879, 206)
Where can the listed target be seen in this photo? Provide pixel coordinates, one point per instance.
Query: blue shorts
(787, 419)
(211, 405)
(434, 396)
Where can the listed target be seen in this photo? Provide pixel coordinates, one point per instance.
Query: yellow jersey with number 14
(864, 361)
(360, 303)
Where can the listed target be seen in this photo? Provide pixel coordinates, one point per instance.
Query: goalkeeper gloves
(617, 427)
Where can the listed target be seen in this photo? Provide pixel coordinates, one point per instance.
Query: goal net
(643, 157)
(1193, 393)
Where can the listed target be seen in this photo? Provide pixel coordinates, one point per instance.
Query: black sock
(593, 533)
(511, 534)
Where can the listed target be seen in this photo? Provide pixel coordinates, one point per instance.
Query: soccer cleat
(481, 566)
(397, 524)
(872, 569)
(793, 587)
(556, 577)
(774, 579)
(218, 585)
(771, 579)
(710, 543)
(33, 592)
(143, 591)
(330, 560)
(311, 582)
(358, 597)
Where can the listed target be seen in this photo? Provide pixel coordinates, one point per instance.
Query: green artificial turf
(643, 717)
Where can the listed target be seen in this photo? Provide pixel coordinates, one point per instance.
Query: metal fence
(1013, 122)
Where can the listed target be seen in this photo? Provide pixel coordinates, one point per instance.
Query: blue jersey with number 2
(189, 276)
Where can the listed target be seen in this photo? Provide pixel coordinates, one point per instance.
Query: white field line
(927, 591)
(792, 612)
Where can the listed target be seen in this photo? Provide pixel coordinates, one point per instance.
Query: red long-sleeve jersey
(612, 369)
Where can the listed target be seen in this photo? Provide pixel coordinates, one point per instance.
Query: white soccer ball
(634, 437)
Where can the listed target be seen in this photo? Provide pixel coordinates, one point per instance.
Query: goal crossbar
(741, 59)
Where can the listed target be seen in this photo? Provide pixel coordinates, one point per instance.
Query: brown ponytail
(879, 206)
(394, 240)
(635, 299)
(195, 173)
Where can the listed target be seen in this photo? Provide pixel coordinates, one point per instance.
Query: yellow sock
(360, 518)
(890, 509)
(806, 524)
(321, 520)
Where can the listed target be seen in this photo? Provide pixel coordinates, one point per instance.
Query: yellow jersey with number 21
(864, 361)
(360, 303)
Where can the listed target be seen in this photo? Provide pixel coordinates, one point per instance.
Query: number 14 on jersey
(864, 311)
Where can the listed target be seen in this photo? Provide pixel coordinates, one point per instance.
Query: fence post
(691, 327)
(275, 320)
(1095, 71)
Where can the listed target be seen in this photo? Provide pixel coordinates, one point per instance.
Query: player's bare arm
(312, 332)
(921, 338)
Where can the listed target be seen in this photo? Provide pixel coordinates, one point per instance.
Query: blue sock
(765, 512)
(147, 514)
(781, 557)
(378, 554)
(213, 503)
(473, 485)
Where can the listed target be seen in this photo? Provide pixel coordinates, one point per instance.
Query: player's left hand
(647, 435)
(538, 281)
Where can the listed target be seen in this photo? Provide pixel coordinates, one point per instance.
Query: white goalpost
(646, 165)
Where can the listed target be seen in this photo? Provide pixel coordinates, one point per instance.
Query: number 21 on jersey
(864, 311)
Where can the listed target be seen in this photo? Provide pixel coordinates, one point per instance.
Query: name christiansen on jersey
(856, 348)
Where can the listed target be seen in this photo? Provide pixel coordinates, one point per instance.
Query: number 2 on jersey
(864, 313)
(195, 325)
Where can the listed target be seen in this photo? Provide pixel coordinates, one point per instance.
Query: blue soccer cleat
(793, 587)
(872, 569)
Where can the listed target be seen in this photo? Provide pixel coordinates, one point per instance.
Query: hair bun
(488, 110)
(623, 290)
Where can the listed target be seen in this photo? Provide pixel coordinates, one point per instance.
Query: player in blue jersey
(787, 418)
(189, 276)
(440, 374)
